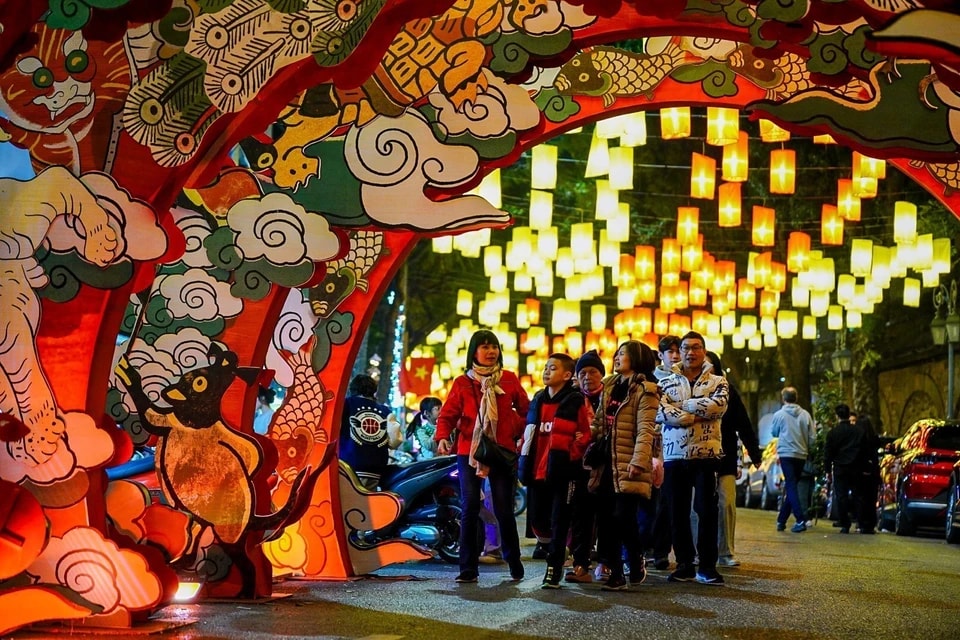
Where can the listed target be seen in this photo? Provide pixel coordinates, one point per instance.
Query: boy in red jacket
(557, 433)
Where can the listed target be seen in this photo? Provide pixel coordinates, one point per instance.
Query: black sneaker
(781, 526)
(466, 577)
(683, 573)
(710, 576)
(516, 570)
(615, 583)
(551, 579)
(540, 551)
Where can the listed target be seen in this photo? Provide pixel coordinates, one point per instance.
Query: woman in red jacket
(484, 400)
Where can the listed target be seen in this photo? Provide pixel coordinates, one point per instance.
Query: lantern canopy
(543, 167)
(675, 123)
(730, 204)
(703, 176)
(783, 171)
(736, 159)
(723, 125)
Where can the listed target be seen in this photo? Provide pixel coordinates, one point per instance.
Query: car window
(945, 438)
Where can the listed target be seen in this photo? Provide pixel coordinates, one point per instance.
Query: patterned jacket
(690, 414)
(634, 435)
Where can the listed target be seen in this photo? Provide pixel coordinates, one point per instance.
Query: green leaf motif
(512, 52)
(857, 51)
(287, 6)
(333, 47)
(211, 329)
(174, 28)
(333, 331)
(68, 271)
(740, 14)
(221, 250)
(828, 54)
(213, 6)
(74, 14)
(783, 10)
(719, 80)
(556, 107)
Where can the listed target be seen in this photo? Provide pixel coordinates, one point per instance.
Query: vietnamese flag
(415, 377)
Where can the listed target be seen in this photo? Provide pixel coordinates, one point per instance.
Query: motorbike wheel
(519, 500)
(448, 524)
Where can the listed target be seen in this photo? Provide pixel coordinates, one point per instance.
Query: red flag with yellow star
(415, 377)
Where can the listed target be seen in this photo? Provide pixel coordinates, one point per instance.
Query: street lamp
(842, 359)
(945, 330)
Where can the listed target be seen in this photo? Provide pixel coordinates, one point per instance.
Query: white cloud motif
(199, 296)
(278, 229)
(499, 108)
(195, 230)
(294, 327)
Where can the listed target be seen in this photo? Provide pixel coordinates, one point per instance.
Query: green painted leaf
(512, 52)
(718, 79)
(333, 331)
(74, 14)
(556, 107)
(221, 250)
(857, 51)
(783, 10)
(828, 54)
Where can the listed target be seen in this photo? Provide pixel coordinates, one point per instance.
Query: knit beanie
(591, 359)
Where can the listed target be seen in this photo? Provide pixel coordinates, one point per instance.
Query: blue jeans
(502, 484)
(792, 468)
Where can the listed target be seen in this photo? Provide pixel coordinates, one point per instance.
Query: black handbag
(492, 454)
(597, 453)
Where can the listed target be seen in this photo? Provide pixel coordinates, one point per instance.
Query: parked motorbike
(430, 490)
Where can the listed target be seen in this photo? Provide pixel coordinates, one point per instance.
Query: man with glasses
(692, 402)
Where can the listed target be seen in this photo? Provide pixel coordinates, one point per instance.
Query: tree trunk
(793, 356)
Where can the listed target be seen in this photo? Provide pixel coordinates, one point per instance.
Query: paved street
(817, 584)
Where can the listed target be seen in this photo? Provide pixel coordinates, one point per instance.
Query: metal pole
(949, 380)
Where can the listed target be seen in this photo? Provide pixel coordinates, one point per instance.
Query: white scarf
(487, 414)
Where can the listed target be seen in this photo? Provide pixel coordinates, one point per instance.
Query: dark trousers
(582, 520)
(502, 484)
(867, 485)
(844, 481)
(792, 468)
(696, 480)
(662, 526)
(617, 526)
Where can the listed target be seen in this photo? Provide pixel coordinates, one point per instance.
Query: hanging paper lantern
(867, 167)
(498, 281)
(541, 209)
(634, 132)
(748, 326)
(777, 280)
(824, 138)
(608, 199)
(609, 128)
(763, 226)
(646, 291)
(442, 244)
(911, 292)
(522, 281)
(492, 260)
(904, 222)
(470, 243)
(489, 189)
(581, 238)
(819, 303)
(861, 257)
(880, 268)
(645, 262)
(723, 125)
(692, 256)
(670, 259)
(941, 255)
(846, 289)
(618, 224)
(703, 176)
(621, 168)
(746, 294)
(787, 323)
(688, 223)
(770, 132)
(548, 244)
(783, 171)
(798, 251)
(831, 226)
(835, 317)
(854, 319)
(848, 205)
(598, 160)
(809, 331)
(730, 204)
(697, 296)
(598, 317)
(543, 167)
(464, 302)
(674, 123)
(799, 294)
(736, 159)
(523, 317)
(863, 186)
(626, 297)
(769, 303)
(626, 275)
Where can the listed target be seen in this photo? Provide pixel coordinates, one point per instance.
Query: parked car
(915, 476)
(763, 482)
(953, 507)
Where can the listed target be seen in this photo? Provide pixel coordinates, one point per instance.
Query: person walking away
(692, 404)
(793, 428)
(264, 412)
(668, 351)
(868, 477)
(841, 455)
(421, 429)
(735, 427)
(624, 475)
(368, 432)
(558, 431)
(485, 400)
(589, 372)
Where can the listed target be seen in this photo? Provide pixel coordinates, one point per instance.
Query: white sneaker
(728, 561)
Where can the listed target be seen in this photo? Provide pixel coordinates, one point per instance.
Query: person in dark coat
(842, 452)
(868, 476)
(734, 425)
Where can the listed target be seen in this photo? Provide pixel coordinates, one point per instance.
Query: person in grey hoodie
(793, 427)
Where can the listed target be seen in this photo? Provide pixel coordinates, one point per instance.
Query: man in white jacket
(692, 401)
(793, 428)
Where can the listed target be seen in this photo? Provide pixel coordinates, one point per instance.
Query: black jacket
(736, 422)
(843, 446)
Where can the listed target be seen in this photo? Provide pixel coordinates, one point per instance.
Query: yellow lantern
(674, 123)
(564, 264)
(723, 125)
(798, 251)
(809, 331)
(541, 209)
(783, 171)
(646, 291)
(703, 176)
(770, 132)
(819, 303)
(608, 253)
(533, 310)
(692, 256)
(489, 189)
(621, 168)
(835, 317)
(543, 167)
(863, 186)
(787, 323)
(442, 244)
(880, 271)
(730, 204)
(574, 341)
(904, 222)
(763, 226)
(799, 294)
(696, 296)
(769, 303)
(831, 226)
(618, 225)
(941, 255)
(688, 222)
(548, 244)
(661, 322)
(848, 205)
(846, 288)
(492, 260)
(626, 297)
(868, 167)
(634, 132)
(854, 319)
(581, 238)
(746, 294)
(911, 292)
(861, 257)
(626, 275)
(498, 282)
(608, 199)
(777, 280)
(728, 323)
(824, 138)
(748, 326)
(668, 303)
(598, 160)
(522, 281)
(645, 262)
(670, 256)
(464, 303)
(609, 128)
(523, 318)
(736, 159)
